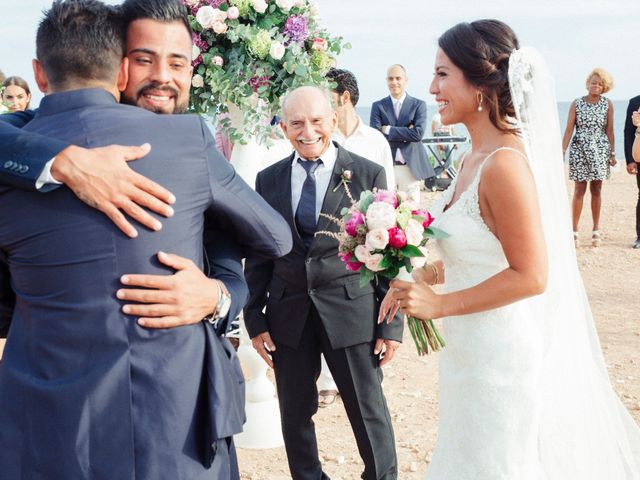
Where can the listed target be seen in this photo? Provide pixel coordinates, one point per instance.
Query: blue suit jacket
(85, 393)
(23, 155)
(22, 159)
(401, 136)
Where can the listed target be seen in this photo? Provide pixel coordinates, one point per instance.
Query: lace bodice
(471, 253)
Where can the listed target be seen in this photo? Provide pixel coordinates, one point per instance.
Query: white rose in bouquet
(362, 253)
(414, 232)
(377, 239)
(381, 215)
(373, 262)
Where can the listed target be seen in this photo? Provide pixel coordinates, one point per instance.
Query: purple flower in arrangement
(196, 61)
(295, 28)
(199, 42)
(215, 3)
(258, 81)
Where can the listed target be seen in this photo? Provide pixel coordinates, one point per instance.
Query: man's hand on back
(101, 178)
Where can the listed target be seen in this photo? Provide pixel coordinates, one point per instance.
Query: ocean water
(619, 112)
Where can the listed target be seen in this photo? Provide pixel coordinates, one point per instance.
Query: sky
(573, 35)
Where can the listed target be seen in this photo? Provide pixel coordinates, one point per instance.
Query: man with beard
(85, 392)
(159, 51)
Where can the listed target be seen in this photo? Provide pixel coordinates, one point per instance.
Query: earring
(479, 101)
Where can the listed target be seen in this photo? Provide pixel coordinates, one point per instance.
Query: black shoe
(636, 244)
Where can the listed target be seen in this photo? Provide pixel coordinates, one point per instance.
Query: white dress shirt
(45, 177)
(370, 144)
(323, 178)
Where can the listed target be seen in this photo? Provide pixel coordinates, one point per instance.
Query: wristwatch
(222, 309)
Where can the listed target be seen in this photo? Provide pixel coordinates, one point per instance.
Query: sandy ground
(411, 383)
(610, 273)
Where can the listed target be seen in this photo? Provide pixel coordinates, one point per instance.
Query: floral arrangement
(249, 53)
(383, 234)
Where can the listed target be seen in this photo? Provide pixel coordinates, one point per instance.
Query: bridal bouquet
(385, 233)
(249, 53)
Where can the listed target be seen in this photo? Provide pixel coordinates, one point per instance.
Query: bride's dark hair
(481, 49)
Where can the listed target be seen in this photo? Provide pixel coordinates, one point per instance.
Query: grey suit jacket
(289, 285)
(406, 132)
(85, 393)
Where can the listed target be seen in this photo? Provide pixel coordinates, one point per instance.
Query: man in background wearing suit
(632, 167)
(85, 392)
(313, 303)
(403, 120)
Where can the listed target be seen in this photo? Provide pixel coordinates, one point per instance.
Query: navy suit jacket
(24, 155)
(401, 136)
(86, 393)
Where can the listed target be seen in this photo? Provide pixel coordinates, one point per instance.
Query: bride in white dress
(524, 391)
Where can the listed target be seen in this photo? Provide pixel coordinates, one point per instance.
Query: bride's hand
(416, 299)
(388, 307)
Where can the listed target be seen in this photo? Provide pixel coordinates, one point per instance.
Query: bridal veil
(586, 432)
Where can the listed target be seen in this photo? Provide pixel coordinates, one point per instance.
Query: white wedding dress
(524, 391)
(490, 369)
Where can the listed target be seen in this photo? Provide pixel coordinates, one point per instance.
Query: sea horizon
(619, 112)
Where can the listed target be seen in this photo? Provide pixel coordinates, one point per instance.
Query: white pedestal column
(262, 428)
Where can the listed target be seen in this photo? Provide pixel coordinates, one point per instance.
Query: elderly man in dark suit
(313, 303)
(630, 133)
(85, 391)
(403, 120)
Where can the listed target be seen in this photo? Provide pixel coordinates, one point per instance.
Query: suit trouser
(356, 372)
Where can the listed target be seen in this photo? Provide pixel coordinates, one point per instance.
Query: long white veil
(586, 433)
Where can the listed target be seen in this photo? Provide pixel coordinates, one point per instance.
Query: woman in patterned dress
(591, 151)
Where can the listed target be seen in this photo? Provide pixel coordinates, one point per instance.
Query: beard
(181, 103)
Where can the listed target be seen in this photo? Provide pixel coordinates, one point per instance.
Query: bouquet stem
(425, 335)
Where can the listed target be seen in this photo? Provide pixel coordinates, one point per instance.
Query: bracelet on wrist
(434, 269)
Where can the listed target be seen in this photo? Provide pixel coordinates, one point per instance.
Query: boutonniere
(345, 177)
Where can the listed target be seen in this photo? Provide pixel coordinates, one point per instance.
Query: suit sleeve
(224, 263)
(236, 208)
(415, 134)
(7, 297)
(629, 131)
(375, 120)
(258, 272)
(23, 155)
(393, 330)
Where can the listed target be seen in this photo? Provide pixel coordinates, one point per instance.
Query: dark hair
(159, 10)
(346, 82)
(481, 49)
(80, 40)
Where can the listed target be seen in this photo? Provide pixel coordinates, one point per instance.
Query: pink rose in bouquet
(351, 225)
(397, 237)
(386, 196)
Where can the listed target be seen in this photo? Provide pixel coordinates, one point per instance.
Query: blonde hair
(607, 79)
